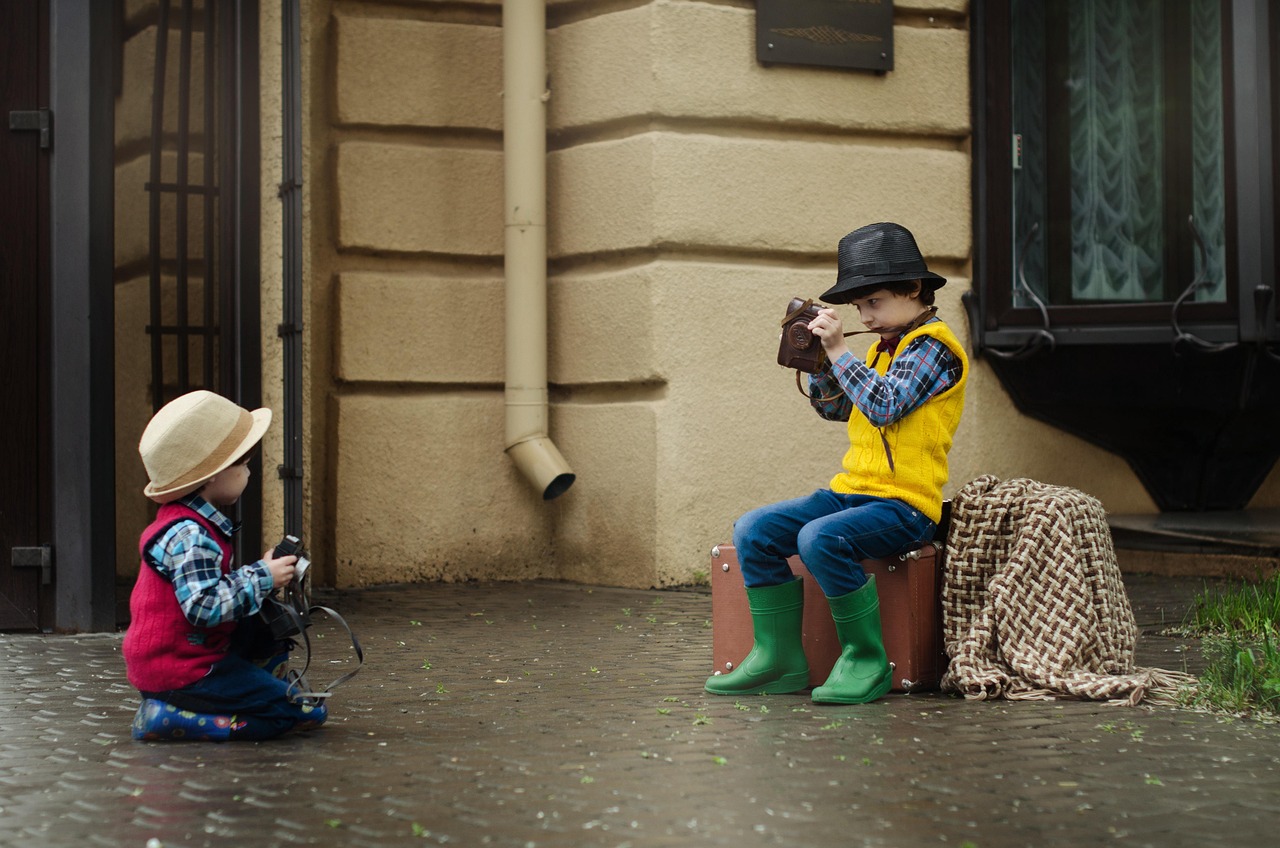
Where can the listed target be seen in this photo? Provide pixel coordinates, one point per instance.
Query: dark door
(26, 590)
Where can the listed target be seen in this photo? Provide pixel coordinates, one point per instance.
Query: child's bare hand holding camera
(830, 331)
(281, 568)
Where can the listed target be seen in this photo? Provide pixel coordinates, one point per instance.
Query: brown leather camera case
(799, 348)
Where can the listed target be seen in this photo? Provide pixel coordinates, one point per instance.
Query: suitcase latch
(918, 552)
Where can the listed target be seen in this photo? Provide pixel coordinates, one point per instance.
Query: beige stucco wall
(692, 192)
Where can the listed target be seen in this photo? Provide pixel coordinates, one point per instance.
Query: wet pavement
(548, 714)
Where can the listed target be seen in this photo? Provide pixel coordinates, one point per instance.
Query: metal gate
(203, 211)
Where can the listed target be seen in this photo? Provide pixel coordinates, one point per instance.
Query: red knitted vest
(162, 650)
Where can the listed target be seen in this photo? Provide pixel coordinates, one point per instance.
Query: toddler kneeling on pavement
(196, 649)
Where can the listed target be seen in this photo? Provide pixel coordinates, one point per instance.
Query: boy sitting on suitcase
(902, 407)
(205, 663)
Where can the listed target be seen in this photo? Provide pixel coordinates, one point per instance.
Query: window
(1119, 158)
(1112, 185)
(1125, 229)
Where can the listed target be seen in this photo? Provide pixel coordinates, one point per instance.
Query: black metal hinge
(289, 185)
(40, 557)
(34, 120)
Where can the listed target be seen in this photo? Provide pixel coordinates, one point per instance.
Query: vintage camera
(286, 610)
(799, 348)
(289, 546)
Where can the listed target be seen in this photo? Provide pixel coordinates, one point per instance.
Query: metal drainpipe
(524, 147)
(290, 329)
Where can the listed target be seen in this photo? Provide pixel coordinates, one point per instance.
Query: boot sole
(784, 685)
(875, 695)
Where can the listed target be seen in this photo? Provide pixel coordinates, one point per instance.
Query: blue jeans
(831, 532)
(236, 685)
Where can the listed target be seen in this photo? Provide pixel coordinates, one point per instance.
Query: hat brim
(261, 421)
(848, 289)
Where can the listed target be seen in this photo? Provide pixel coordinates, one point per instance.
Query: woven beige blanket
(1033, 606)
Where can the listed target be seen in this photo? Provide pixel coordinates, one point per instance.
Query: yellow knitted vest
(919, 442)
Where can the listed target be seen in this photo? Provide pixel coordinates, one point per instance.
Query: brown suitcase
(910, 590)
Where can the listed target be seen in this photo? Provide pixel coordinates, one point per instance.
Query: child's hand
(281, 569)
(830, 331)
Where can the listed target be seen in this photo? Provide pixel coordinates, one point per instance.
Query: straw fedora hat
(876, 254)
(194, 437)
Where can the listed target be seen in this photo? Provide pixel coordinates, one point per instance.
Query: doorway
(26, 578)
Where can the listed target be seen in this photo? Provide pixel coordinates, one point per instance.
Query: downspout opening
(541, 462)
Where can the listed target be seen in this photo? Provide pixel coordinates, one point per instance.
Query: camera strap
(300, 690)
(289, 614)
(897, 331)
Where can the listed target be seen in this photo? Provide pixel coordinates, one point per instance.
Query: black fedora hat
(876, 254)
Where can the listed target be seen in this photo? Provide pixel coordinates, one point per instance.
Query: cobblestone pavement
(546, 714)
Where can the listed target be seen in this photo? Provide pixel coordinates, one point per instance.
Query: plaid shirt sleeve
(924, 368)
(191, 560)
(826, 395)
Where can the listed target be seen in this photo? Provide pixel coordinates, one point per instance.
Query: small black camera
(289, 546)
(287, 610)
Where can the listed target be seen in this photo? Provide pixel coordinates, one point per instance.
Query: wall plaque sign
(833, 33)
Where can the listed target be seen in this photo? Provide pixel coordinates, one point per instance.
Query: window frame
(1251, 160)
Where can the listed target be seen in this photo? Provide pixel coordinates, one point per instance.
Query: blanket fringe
(1159, 687)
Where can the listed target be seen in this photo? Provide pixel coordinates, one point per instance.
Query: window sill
(1014, 337)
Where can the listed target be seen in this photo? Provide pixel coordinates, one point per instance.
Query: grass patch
(1240, 631)
(1242, 675)
(1250, 610)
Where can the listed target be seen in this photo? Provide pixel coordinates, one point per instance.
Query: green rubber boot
(862, 674)
(776, 663)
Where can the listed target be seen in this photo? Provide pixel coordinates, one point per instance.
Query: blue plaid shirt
(924, 368)
(189, 558)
